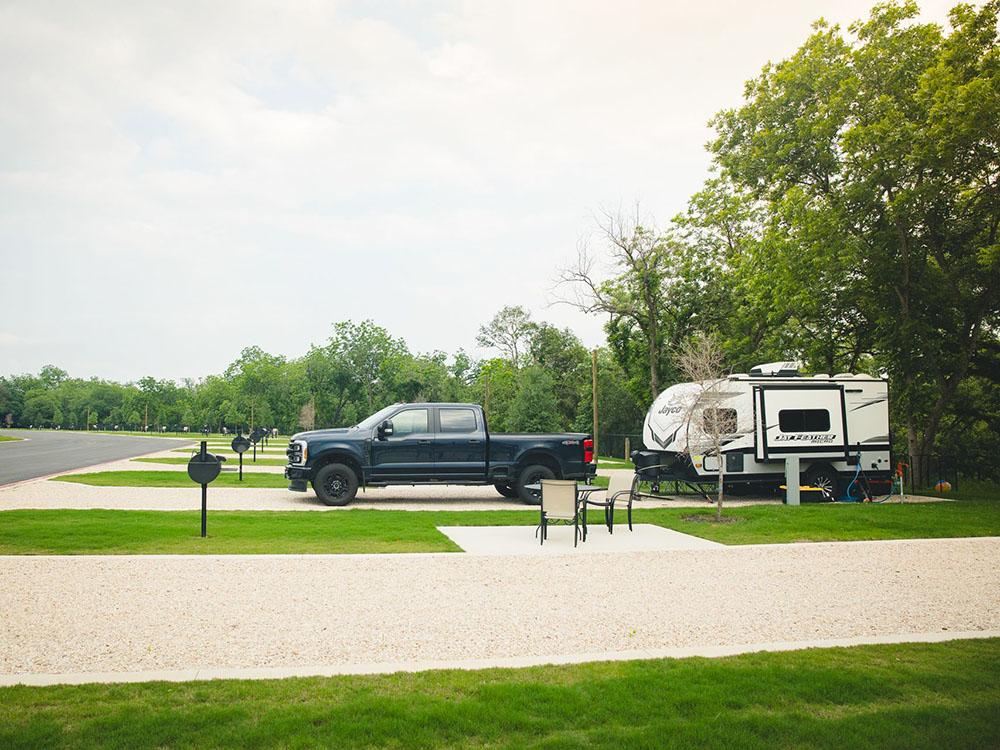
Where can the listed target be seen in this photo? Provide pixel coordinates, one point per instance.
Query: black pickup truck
(432, 444)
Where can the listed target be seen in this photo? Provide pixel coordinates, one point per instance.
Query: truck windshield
(376, 418)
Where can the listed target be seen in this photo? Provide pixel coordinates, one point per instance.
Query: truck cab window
(804, 420)
(457, 420)
(409, 422)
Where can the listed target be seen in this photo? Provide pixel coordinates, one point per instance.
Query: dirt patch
(705, 518)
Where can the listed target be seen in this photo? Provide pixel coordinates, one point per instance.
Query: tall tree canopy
(876, 156)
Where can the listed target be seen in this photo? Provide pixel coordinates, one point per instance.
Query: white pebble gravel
(128, 613)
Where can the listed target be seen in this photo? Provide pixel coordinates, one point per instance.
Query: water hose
(857, 472)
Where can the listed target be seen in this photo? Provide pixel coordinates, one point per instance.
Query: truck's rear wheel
(336, 484)
(505, 489)
(532, 475)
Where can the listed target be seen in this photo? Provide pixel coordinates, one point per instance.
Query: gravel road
(115, 614)
(49, 494)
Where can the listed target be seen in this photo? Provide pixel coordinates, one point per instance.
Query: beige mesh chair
(560, 502)
(621, 486)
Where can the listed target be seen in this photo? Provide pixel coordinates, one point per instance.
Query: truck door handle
(423, 442)
(473, 442)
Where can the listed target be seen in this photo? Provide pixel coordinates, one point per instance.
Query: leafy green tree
(619, 412)
(643, 267)
(533, 409)
(560, 354)
(494, 386)
(877, 158)
(371, 356)
(509, 331)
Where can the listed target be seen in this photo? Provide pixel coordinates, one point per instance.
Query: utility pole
(486, 399)
(593, 380)
(145, 419)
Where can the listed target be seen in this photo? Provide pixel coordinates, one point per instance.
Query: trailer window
(804, 420)
(722, 421)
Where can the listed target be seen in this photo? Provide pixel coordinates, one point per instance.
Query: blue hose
(848, 498)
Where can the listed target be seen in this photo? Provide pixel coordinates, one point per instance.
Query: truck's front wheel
(336, 484)
(533, 474)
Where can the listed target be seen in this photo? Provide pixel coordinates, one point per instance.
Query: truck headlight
(298, 452)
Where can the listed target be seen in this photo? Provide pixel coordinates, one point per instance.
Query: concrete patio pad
(521, 540)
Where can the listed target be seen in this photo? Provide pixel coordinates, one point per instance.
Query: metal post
(792, 480)
(241, 467)
(486, 398)
(593, 383)
(204, 509)
(255, 452)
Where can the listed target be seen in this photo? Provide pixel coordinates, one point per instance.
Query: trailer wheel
(824, 477)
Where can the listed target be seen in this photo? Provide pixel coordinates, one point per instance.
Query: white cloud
(419, 164)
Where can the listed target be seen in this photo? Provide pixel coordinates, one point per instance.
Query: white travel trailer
(832, 423)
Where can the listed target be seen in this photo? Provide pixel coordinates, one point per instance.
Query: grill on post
(203, 468)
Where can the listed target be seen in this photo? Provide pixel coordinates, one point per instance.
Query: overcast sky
(181, 180)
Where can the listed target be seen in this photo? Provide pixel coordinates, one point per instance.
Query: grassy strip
(609, 462)
(224, 450)
(161, 532)
(247, 461)
(112, 532)
(771, 524)
(5, 439)
(172, 479)
(892, 696)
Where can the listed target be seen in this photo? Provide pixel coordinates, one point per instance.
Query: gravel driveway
(115, 614)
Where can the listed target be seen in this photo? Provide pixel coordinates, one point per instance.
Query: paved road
(46, 452)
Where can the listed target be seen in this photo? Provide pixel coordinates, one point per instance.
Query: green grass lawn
(230, 532)
(769, 524)
(895, 696)
(375, 531)
(609, 462)
(6, 439)
(173, 479)
(247, 460)
(225, 450)
(970, 489)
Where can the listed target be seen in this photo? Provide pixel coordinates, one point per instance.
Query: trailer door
(803, 420)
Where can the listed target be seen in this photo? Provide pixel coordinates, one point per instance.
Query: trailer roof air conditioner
(777, 369)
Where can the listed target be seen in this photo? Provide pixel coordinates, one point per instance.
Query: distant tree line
(541, 380)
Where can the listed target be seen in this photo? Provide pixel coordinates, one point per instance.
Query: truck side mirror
(385, 429)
